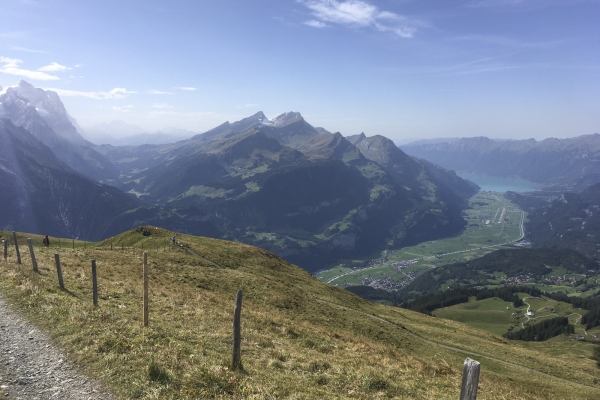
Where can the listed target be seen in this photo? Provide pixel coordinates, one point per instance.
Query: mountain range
(572, 221)
(558, 164)
(302, 192)
(307, 194)
(43, 115)
(119, 133)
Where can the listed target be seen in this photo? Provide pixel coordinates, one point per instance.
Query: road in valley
(521, 236)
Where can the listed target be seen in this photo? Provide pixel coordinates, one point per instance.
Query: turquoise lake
(497, 184)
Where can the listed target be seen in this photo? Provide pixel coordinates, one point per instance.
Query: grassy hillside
(499, 316)
(301, 337)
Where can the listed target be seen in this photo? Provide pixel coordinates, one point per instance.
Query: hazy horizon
(408, 70)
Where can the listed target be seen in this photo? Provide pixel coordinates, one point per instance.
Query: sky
(405, 69)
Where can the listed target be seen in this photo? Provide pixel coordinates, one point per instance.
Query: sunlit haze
(400, 68)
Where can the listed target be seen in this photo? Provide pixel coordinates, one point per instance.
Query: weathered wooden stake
(73, 244)
(59, 270)
(5, 249)
(33, 260)
(94, 283)
(470, 381)
(17, 247)
(145, 289)
(237, 332)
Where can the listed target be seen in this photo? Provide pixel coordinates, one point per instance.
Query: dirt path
(469, 353)
(32, 367)
(199, 256)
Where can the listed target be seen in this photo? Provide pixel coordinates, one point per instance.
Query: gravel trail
(32, 367)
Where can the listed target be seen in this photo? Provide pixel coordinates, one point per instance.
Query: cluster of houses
(399, 266)
(387, 284)
(517, 280)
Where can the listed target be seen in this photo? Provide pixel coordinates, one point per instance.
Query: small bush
(321, 380)
(375, 384)
(157, 373)
(289, 332)
(279, 356)
(318, 366)
(276, 364)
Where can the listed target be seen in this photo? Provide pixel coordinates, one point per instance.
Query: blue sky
(406, 69)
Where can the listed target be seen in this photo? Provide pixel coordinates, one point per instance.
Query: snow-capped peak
(49, 107)
(286, 118)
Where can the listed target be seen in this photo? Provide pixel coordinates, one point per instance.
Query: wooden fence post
(145, 289)
(237, 332)
(17, 247)
(470, 381)
(5, 249)
(94, 283)
(33, 260)
(73, 244)
(59, 270)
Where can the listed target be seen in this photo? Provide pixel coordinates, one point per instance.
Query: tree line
(592, 304)
(427, 303)
(543, 330)
(511, 262)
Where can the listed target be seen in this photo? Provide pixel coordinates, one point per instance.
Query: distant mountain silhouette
(564, 164)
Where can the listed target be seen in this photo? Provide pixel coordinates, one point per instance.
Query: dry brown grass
(295, 344)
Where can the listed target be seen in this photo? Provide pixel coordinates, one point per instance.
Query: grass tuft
(158, 373)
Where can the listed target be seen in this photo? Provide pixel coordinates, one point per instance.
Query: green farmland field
(486, 231)
(496, 316)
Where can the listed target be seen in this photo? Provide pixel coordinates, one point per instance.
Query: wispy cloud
(524, 3)
(357, 13)
(479, 66)
(53, 67)
(506, 41)
(495, 3)
(315, 24)
(163, 106)
(25, 49)
(11, 66)
(152, 91)
(125, 109)
(116, 93)
(186, 88)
